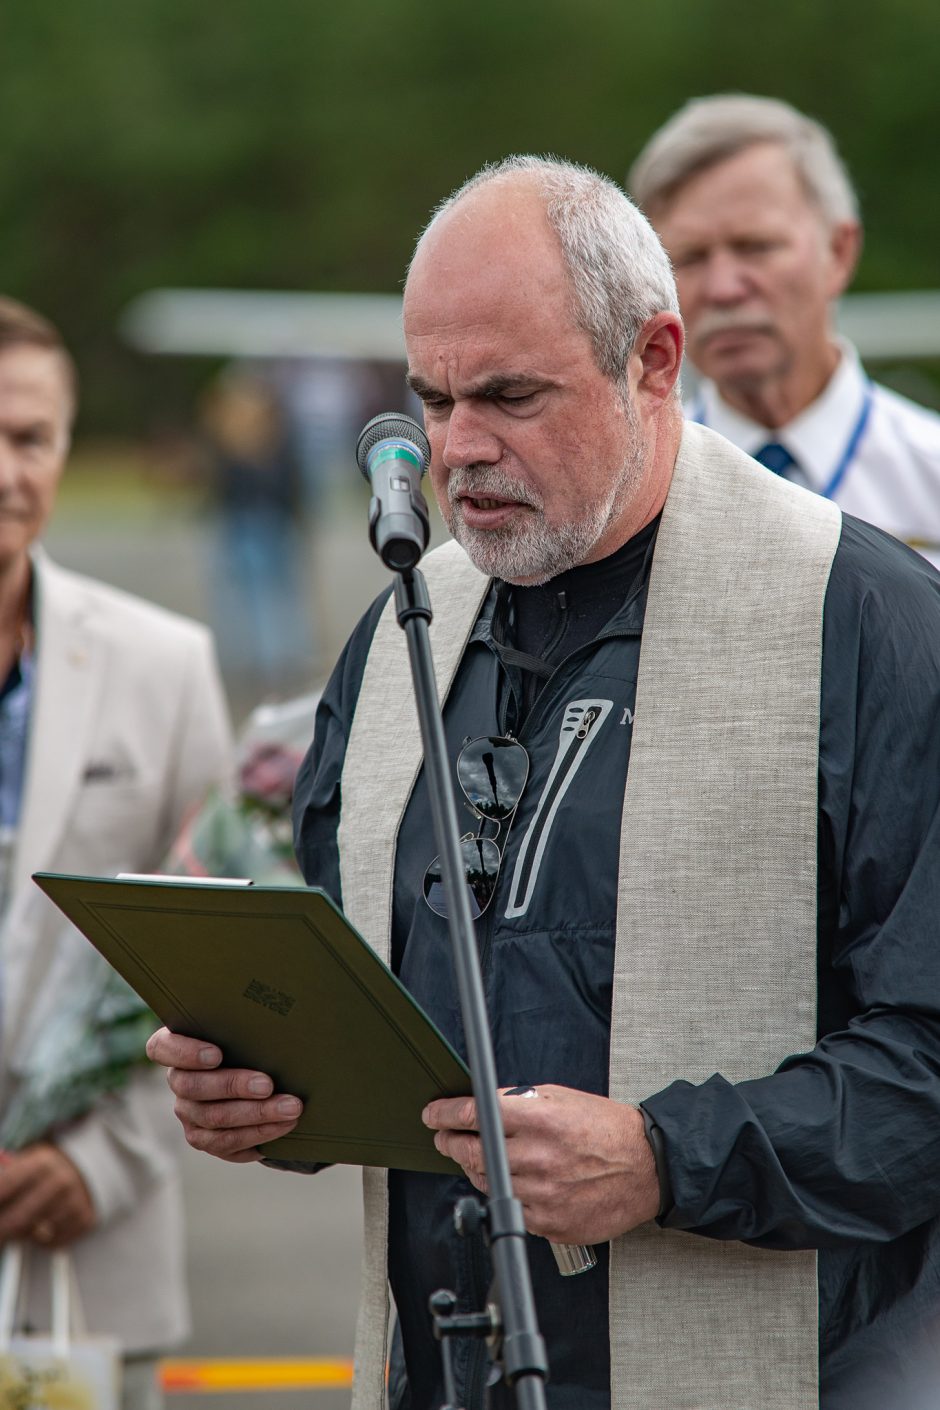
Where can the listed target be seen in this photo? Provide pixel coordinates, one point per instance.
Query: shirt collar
(817, 438)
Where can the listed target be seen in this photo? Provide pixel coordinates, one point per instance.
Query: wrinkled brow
(495, 386)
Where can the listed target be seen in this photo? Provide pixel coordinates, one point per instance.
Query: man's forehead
(471, 341)
(35, 389)
(751, 173)
(27, 370)
(502, 299)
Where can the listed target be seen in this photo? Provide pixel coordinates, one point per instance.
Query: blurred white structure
(255, 324)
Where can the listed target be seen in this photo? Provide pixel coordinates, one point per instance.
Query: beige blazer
(128, 729)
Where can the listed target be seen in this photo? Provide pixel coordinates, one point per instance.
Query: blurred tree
(300, 145)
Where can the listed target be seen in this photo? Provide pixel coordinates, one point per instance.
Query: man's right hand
(226, 1111)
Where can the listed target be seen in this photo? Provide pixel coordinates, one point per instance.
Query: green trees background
(298, 144)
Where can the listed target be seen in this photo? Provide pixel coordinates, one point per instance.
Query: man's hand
(43, 1198)
(581, 1165)
(226, 1111)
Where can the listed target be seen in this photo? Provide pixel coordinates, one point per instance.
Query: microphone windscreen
(391, 425)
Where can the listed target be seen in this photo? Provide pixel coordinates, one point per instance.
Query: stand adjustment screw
(442, 1303)
(469, 1217)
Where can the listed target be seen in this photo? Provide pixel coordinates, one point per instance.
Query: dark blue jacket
(838, 1150)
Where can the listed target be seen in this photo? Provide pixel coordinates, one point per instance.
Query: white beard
(531, 550)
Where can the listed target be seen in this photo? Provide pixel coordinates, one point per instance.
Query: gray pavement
(160, 546)
(273, 1271)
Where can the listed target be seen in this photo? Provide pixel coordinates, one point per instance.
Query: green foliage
(295, 144)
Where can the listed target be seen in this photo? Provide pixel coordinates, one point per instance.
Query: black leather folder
(278, 978)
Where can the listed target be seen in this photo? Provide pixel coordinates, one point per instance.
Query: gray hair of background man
(708, 130)
(620, 275)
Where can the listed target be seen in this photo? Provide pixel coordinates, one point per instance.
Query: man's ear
(657, 356)
(845, 247)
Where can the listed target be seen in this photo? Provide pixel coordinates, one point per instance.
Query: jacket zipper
(526, 726)
(478, 1359)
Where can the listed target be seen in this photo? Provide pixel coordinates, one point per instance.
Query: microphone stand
(509, 1324)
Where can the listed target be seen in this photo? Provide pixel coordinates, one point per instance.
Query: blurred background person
(760, 219)
(112, 726)
(259, 595)
(324, 398)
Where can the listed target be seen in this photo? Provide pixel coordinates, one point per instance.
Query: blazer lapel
(67, 689)
(68, 684)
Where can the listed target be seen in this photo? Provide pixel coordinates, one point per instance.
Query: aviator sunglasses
(492, 773)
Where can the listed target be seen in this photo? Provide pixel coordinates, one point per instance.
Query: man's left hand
(43, 1198)
(580, 1164)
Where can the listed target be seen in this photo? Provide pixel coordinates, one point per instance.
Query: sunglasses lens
(481, 868)
(492, 773)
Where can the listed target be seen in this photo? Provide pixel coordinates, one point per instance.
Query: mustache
(489, 482)
(718, 321)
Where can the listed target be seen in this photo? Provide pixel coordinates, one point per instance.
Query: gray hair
(707, 130)
(619, 272)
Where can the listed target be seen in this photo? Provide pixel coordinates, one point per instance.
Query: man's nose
(470, 440)
(725, 279)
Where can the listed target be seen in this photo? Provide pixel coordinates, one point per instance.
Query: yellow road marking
(205, 1377)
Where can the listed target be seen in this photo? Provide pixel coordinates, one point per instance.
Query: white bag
(62, 1369)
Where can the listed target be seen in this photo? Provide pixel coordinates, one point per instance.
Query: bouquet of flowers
(86, 1049)
(248, 833)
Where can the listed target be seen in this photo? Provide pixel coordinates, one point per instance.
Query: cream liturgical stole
(715, 965)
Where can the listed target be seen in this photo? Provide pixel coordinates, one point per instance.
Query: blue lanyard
(848, 455)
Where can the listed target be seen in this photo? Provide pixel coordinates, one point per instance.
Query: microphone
(393, 454)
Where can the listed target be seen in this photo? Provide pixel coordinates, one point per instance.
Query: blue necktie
(778, 459)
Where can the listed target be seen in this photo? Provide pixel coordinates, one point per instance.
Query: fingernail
(209, 1057)
(426, 1116)
(260, 1086)
(289, 1106)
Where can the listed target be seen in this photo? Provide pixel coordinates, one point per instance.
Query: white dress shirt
(890, 460)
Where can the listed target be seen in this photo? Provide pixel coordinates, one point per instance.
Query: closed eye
(434, 403)
(32, 438)
(757, 246)
(684, 259)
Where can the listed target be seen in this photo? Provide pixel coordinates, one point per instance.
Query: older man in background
(759, 217)
(112, 725)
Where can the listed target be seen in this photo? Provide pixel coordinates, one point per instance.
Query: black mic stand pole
(523, 1358)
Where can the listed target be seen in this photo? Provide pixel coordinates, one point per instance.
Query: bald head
(488, 221)
(497, 241)
(617, 271)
